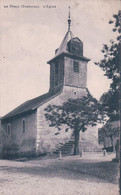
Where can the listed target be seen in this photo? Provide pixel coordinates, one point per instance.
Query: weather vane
(69, 20)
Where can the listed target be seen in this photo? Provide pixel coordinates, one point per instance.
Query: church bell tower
(69, 66)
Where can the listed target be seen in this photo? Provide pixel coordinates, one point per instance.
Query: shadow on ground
(74, 169)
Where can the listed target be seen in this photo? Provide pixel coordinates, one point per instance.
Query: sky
(29, 37)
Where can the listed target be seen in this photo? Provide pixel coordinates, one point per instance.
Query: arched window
(9, 129)
(56, 68)
(24, 125)
(56, 73)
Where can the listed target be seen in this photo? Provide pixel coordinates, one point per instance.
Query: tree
(110, 65)
(108, 131)
(77, 114)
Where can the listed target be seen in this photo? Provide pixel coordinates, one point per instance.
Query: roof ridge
(63, 45)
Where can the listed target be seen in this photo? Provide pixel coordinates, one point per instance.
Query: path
(90, 175)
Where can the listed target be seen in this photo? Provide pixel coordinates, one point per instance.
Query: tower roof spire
(69, 20)
(69, 35)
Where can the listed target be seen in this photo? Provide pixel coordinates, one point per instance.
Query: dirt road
(90, 175)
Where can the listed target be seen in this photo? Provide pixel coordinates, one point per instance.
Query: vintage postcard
(59, 97)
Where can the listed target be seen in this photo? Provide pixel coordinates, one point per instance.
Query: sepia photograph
(59, 97)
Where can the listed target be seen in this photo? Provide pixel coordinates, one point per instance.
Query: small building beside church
(26, 130)
(108, 135)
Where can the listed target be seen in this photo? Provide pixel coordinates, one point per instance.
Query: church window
(9, 129)
(56, 73)
(24, 125)
(56, 68)
(76, 66)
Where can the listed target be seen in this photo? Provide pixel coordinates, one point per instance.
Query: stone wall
(47, 141)
(56, 78)
(75, 79)
(19, 142)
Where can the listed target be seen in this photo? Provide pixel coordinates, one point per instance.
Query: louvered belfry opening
(75, 47)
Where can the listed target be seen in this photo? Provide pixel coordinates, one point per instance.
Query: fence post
(104, 152)
(60, 155)
(81, 153)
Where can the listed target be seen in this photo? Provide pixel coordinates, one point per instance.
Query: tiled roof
(33, 103)
(63, 46)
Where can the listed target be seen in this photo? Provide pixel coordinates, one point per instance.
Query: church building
(26, 130)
